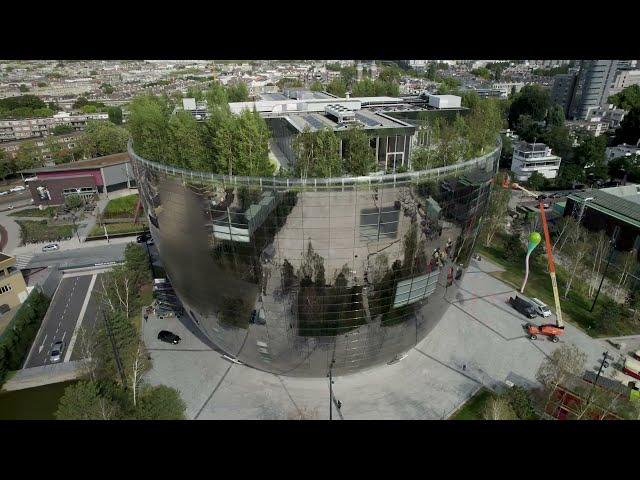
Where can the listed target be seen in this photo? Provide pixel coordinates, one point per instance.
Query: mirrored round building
(290, 276)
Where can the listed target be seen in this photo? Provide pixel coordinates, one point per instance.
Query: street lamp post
(331, 389)
(603, 364)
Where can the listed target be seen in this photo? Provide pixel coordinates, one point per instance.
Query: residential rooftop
(82, 164)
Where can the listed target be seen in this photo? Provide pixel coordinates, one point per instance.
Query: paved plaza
(480, 331)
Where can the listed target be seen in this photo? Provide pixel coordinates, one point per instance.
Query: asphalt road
(15, 198)
(60, 320)
(92, 317)
(79, 257)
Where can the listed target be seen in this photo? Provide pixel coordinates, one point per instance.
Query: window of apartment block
(5, 289)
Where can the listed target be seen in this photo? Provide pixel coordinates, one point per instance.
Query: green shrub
(18, 336)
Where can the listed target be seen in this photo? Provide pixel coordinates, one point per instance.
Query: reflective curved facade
(289, 276)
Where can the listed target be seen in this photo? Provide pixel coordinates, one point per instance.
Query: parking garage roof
(615, 206)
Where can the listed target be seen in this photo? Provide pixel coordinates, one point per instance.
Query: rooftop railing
(489, 162)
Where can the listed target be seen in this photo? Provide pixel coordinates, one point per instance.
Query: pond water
(39, 403)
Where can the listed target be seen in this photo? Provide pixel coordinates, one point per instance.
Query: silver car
(51, 247)
(56, 352)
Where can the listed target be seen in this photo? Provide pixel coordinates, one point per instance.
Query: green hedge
(17, 338)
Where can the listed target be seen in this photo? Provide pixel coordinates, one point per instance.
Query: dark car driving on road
(168, 337)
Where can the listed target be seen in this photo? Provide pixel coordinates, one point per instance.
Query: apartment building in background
(533, 157)
(20, 129)
(13, 289)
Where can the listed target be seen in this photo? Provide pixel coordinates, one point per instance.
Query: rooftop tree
(359, 157)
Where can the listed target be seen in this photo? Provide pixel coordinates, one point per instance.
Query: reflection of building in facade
(287, 275)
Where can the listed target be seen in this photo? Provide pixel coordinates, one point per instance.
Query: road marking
(80, 317)
(63, 335)
(42, 346)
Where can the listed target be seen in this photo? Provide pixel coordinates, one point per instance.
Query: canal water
(39, 403)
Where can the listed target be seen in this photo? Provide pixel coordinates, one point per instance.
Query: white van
(540, 307)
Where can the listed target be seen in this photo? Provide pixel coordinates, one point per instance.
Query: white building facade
(533, 157)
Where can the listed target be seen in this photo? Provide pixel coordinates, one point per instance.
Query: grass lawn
(472, 409)
(575, 307)
(121, 207)
(115, 228)
(40, 231)
(35, 212)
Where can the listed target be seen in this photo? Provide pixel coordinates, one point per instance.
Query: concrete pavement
(479, 331)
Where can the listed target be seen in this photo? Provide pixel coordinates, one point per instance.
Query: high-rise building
(593, 83)
(562, 91)
(624, 79)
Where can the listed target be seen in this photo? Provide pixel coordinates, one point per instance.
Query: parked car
(540, 307)
(168, 337)
(51, 247)
(56, 352)
(18, 188)
(522, 306)
(5, 192)
(143, 238)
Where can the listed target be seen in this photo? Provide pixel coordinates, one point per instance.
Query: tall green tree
(103, 138)
(160, 403)
(83, 401)
(318, 154)
(28, 156)
(337, 87)
(115, 115)
(627, 99)
(316, 86)
(149, 126)
(532, 100)
(556, 116)
(238, 92)
(629, 130)
(186, 148)
(359, 157)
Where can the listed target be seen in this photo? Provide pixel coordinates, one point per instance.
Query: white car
(19, 188)
(540, 307)
(51, 247)
(6, 192)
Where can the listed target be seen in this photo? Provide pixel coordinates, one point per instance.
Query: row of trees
(446, 142)
(225, 143)
(25, 106)
(21, 332)
(116, 358)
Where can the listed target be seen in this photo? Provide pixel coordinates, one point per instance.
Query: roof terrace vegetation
(231, 144)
